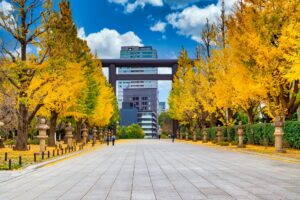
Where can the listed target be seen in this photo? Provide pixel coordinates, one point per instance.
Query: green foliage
(292, 133)
(33, 141)
(261, 134)
(133, 131)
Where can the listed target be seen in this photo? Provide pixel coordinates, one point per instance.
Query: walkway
(152, 169)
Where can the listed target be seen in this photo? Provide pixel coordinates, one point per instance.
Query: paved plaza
(152, 169)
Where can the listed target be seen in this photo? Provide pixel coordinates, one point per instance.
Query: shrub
(262, 134)
(233, 143)
(292, 134)
(133, 131)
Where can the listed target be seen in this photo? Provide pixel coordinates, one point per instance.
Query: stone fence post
(219, 134)
(278, 135)
(241, 135)
(69, 135)
(204, 133)
(42, 127)
(84, 134)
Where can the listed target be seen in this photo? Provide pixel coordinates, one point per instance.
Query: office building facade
(136, 52)
(144, 100)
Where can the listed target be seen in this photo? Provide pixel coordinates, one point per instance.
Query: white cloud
(107, 42)
(5, 8)
(190, 21)
(131, 6)
(159, 27)
(177, 4)
(118, 1)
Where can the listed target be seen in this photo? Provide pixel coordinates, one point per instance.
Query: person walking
(113, 139)
(107, 140)
(173, 137)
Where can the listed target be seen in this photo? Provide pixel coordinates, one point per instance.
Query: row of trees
(249, 62)
(60, 79)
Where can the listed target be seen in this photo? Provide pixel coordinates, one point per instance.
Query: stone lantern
(241, 135)
(278, 135)
(204, 133)
(84, 133)
(194, 136)
(42, 127)
(219, 134)
(69, 135)
(187, 135)
(94, 135)
(101, 136)
(1, 139)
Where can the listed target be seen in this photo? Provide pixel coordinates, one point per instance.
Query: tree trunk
(250, 116)
(53, 119)
(78, 131)
(21, 142)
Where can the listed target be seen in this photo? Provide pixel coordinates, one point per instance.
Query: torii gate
(113, 77)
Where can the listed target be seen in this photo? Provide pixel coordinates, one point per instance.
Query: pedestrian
(107, 140)
(113, 139)
(173, 137)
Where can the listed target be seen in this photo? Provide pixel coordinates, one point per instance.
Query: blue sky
(166, 25)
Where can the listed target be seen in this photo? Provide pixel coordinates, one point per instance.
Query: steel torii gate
(113, 64)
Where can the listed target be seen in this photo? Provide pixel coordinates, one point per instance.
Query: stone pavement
(152, 169)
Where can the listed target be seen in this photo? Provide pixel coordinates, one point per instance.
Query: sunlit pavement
(153, 169)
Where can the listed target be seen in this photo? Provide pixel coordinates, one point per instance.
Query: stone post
(84, 134)
(94, 135)
(219, 134)
(42, 127)
(241, 135)
(194, 136)
(204, 133)
(69, 135)
(278, 135)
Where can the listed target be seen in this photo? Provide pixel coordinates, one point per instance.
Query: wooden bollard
(57, 152)
(5, 156)
(34, 157)
(62, 151)
(9, 164)
(20, 160)
(48, 154)
(53, 153)
(43, 154)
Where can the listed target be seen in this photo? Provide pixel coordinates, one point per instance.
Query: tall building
(144, 100)
(136, 52)
(132, 94)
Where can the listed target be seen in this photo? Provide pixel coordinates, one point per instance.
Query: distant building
(144, 100)
(136, 52)
(161, 107)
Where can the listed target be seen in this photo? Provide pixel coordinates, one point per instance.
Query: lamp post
(84, 133)
(204, 133)
(42, 127)
(241, 135)
(278, 135)
(69, 134)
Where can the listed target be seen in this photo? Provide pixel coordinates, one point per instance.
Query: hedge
(263, 134)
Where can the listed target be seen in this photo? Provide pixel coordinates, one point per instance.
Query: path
(152, 169)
